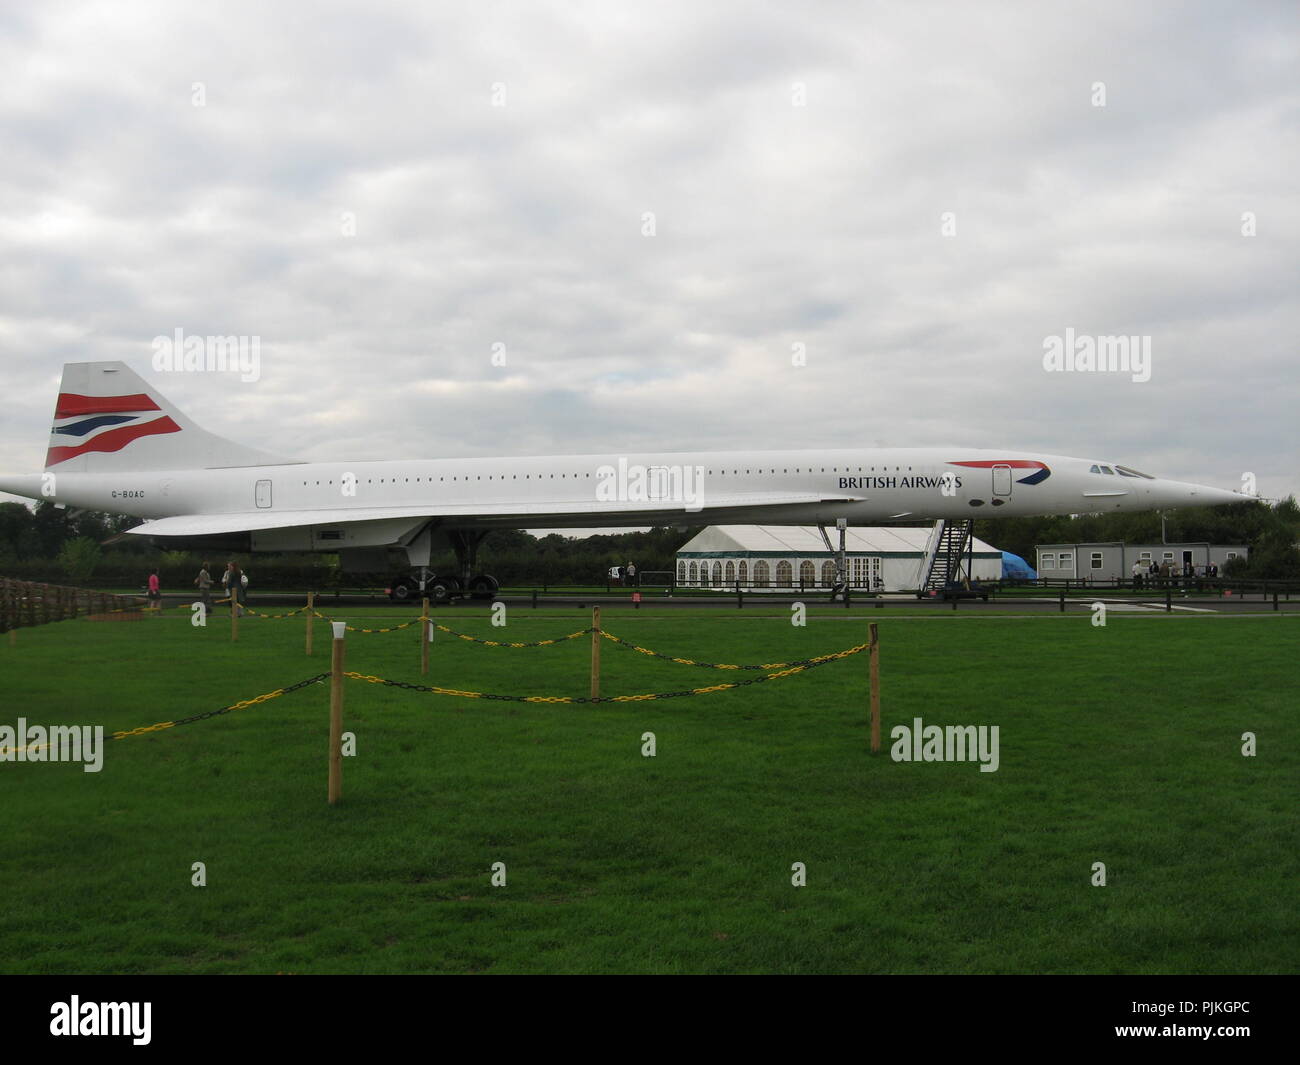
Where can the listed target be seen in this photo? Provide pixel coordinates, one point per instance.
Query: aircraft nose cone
(1204, 496)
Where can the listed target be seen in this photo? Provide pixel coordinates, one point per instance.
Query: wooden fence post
(873, 653)
(336, 712)
(595, 652)
(425, 633)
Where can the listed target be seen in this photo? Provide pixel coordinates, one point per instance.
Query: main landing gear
(443, 588)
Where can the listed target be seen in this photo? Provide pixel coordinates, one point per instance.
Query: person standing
(233, 579)
(204, 582)
(631, 574)
(155, 592)
(1137, 576)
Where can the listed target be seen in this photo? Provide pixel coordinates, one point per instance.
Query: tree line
(43, 542)
(55, 545)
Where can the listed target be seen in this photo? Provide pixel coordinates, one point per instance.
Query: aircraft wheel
(483, 586)
(403, 590)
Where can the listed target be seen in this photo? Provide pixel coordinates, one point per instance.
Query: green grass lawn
(1118, 745)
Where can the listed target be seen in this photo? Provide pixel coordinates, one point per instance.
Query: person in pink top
(155, 593)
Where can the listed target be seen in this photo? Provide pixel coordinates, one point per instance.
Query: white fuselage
(863, 486)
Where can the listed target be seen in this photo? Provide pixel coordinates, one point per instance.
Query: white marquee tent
(776, 556)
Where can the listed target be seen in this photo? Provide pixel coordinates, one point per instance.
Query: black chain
(649, 697)
(227, 709)
(503, 643)
(708, 665)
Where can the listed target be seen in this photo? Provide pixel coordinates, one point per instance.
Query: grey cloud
(125, 213)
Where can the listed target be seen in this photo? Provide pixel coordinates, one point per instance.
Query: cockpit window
(1094, 469)
(1108, 470)
(1130, 472)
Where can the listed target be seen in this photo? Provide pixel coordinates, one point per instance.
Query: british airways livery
(117, 445)
(102, 423)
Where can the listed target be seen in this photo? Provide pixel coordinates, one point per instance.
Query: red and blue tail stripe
(107, 424)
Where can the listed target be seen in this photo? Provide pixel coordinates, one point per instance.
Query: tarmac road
(654, 600)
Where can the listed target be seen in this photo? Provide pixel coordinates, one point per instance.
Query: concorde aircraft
(118, 445)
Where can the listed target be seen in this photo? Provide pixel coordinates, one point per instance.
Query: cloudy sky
(382, 192)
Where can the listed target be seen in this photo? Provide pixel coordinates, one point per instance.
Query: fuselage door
(1001, 480)
(263, 494)
(658, 484)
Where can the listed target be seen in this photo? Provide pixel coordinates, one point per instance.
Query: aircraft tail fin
(109, 419)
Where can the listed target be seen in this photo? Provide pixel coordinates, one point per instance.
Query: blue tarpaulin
(1016, 568)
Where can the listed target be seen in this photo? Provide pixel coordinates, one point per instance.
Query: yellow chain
(242, 705)
(500, 643)
(351, 628)
(464, 694)
(272, 617)
(371, 679)
(717, 665)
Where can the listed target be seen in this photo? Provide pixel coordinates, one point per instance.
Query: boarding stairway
(944, 554)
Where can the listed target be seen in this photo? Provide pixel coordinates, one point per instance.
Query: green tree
(15, 528)
(78, 559)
